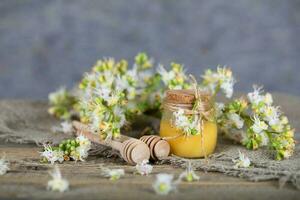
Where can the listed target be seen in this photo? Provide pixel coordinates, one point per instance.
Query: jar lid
(180, 96)
(186, 99)
(185, 96)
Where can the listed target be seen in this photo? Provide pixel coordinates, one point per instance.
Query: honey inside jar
(198, 145)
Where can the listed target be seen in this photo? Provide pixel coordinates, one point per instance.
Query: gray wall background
(45, 44)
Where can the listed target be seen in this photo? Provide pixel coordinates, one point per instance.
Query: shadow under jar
(201, 141)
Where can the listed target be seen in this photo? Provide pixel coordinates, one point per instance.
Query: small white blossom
(272, 115)
(284, 120)
(84, 142)
(255, 97)
(259, 125)
(57, 183)
(268, 99)
(81, 152)
(163, 184)
(222, 78)
(52, 155)
(264, 139)
(188, 126)
(242, 162)
(4, 166)
(237, 121)
(103, 92)
(227, 87)
(166, 76)
(144, 168)
(189, 174)
(119, 113)
(112, 174)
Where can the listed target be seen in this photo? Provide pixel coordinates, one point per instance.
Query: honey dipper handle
(82, 129)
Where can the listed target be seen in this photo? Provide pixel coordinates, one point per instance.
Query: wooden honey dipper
(132, 150)
(159, 148)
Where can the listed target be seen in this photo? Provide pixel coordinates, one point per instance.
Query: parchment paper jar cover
(193, 146)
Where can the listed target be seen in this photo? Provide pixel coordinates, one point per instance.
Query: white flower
(113, 99)
(103, 92)
(189, 175)
(165, 75)
(268, 99)
(119, 113)
(122, 83)
(109, 78)
(222, 78)
(255, 97)
(242, 162)
(133, 73)
(284, 120)
(227, 87)
(52, 155)
(163, 184)
(4, 166)
(259, 125)
(219, 109)
(112, 174)
(57, 183)
(83, 142)
(237, 121)
(271, 115)
(264, 139)
(181, 121)
(80, 153)
(144, 168)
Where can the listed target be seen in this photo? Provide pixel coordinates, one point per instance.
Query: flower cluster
(221, 79)
(255, 122)
(57, 183)
(111, 94)
(175, 78)
(71, 149)
(61, 103)
(189, 125)
(4, 166)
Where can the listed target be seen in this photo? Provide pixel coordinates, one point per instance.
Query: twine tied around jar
(193, 102)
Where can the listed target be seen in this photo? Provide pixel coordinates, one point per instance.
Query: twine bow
(200, 110)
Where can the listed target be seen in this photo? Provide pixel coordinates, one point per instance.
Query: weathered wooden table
(28, 178)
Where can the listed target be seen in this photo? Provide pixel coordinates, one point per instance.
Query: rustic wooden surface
(28, 178)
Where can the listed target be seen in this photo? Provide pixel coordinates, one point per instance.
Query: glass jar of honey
(191, 133)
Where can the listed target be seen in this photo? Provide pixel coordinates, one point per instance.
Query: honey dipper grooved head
(134, 151)
(159, 148)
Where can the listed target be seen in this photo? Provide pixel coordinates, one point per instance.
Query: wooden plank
(28, 179)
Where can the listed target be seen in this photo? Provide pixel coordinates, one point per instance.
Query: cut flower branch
(113, 94)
